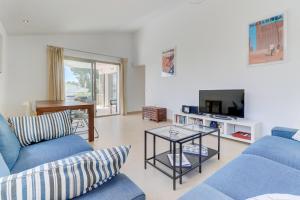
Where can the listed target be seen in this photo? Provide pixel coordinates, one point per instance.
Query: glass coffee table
(178, 136)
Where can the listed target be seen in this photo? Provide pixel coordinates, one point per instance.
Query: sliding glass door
(107, 88)
(93, 81)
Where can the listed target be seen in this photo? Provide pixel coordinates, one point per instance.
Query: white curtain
(56, 77)
(123, 103)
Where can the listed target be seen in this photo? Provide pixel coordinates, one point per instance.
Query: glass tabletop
(177, 133)
(200, 128)
(173, 133)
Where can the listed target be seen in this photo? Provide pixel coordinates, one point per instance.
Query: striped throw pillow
(34, 129)
(67, 178)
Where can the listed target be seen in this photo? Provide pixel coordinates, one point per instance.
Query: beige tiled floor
(118, 130)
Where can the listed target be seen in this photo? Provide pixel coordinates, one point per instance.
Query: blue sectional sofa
(119, 187)
(271, 165)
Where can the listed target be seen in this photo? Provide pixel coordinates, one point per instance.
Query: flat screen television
(222, 102)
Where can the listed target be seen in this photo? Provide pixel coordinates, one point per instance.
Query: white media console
(227, 127)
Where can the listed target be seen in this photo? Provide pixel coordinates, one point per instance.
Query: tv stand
(228, 126)
(221, 117)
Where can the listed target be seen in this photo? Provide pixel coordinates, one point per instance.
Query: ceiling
(79, 16)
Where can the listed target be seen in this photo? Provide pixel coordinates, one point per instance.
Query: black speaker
(190, 109)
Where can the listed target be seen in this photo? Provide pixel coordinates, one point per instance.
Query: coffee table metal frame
(196, 160)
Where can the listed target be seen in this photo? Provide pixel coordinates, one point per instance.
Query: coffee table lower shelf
(192, 158)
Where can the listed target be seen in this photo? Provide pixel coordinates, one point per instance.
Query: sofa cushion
(251, 175)
(284, 132)
(119, 188)
(48, 151)
(9, 144)
(205, 192)
(4, 171)
(34, 129)
(278, 149)
(66, 178)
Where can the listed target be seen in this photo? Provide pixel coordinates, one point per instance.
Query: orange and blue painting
(168, 63)
(266, 40)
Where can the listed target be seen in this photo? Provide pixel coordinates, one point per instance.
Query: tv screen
(222, 102)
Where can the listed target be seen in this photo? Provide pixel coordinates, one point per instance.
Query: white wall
(3, 68)
(211, 41)
(27, 72)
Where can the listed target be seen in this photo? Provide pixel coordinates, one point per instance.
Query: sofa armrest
(284, 132)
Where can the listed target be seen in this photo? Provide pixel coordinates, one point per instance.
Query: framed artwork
(267, 40)
(168, 63)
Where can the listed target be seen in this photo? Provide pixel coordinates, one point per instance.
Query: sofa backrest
(9, 144)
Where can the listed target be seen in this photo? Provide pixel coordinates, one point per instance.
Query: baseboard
(134, 112)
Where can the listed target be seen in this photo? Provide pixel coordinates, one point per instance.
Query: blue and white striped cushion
(34, 129)
(67, 178)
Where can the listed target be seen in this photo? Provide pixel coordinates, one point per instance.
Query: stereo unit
(190, 109)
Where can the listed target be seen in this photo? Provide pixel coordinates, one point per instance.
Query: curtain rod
(89, 52)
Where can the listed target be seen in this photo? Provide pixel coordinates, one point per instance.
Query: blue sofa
(119, 187)
(271, 165)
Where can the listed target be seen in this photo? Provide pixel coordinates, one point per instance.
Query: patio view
(91, 81)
